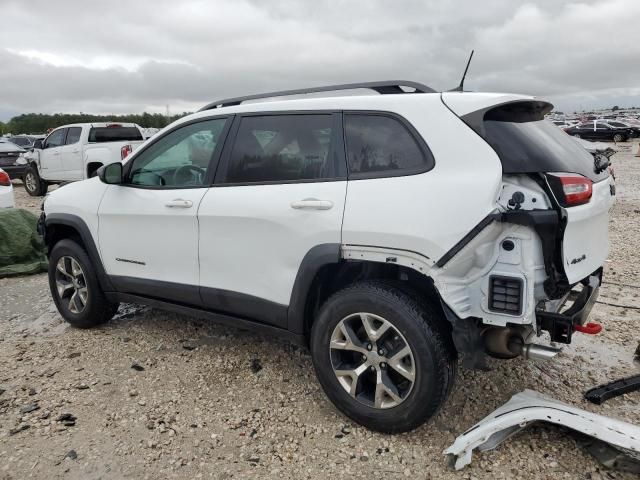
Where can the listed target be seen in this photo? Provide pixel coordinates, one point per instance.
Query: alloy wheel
(372, 360)
(30, 181)
(71, 284)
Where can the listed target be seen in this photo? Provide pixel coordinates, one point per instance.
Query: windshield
(114, 134)
(526, 143)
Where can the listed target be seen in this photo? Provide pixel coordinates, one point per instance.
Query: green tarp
(22, 250)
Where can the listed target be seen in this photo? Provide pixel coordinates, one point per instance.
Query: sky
(157, 55)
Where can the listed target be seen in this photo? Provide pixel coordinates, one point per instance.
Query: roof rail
(382, 87)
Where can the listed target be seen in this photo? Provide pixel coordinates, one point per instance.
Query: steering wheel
(188, 175)
(150, 178)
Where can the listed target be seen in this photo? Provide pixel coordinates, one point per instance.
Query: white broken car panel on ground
(529, 407)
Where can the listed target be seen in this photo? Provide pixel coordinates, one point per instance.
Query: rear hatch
(528, 144)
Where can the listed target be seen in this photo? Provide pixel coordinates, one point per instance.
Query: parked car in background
(6, 190)
(75, 152)
(635, 129)
(10, 158)
(599, 130)
(344, 223)
(24, 141)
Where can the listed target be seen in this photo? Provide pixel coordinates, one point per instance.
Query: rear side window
(114, 134)
(526, 143)
(380, 145)
(281, 148)
(73, 135)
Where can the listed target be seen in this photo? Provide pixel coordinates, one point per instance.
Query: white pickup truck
(75, 152)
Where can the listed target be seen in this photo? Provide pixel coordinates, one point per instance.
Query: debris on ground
(616, 388)
(529, 407)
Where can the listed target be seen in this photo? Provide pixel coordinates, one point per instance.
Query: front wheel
(33, 184)
(576, 135)
(618, 137)
(382, 357)
(75, 288)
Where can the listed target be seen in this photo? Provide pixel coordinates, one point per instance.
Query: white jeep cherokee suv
(391, 232)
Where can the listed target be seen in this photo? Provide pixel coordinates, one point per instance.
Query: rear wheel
(33, 184)
(618, 137)
(75, 288)
(382, 357)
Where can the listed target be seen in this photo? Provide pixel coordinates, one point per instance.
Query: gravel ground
(156, 395)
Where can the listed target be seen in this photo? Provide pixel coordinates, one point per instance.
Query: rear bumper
(14, 171)
(561, 323)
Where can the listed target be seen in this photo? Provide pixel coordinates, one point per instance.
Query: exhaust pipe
(532, 351)
(509, 343)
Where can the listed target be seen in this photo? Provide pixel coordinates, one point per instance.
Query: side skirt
(220, 318)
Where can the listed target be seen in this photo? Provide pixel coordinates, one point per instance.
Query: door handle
(312, 204)
(179, 203)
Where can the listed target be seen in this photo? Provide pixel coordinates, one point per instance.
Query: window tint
(378, 143)
(535, 146)
(56, 138)
(179, 159)
(114, 133)
(281, 148)
(586, 125)
(73, 135)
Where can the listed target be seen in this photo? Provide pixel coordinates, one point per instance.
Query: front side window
(56, 139)
(73, 136)
(586, 125)
(179, 159)
(281, 148)
(381, 145)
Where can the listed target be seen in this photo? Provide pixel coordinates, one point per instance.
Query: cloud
(129, 56)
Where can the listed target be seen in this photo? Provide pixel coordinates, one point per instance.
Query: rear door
(279, 192)
(71, 155)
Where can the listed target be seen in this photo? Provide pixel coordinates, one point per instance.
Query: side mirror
(111, 174)
(37, 144)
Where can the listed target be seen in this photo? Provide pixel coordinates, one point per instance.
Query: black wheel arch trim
(80, 226)
(316, 258)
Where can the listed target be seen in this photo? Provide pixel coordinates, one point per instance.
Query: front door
(279, 191)
(50, 161)
(148, 226)
(71, 155)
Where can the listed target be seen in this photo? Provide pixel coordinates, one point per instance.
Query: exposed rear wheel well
(334, 277)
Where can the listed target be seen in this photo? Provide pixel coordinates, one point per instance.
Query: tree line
(41, 122)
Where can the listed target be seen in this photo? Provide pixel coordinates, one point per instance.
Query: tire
(618, 137)
(71, 273)
(33, 184)
(576, 135)
(415, 324)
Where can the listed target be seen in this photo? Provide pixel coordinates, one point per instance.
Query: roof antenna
(460, 87)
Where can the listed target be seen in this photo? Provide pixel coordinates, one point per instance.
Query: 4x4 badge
(579, 259)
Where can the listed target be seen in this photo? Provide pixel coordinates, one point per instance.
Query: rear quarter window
(380, 145)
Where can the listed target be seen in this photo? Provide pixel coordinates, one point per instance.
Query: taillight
(124, 151)
(571, 189)
(5, 181)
